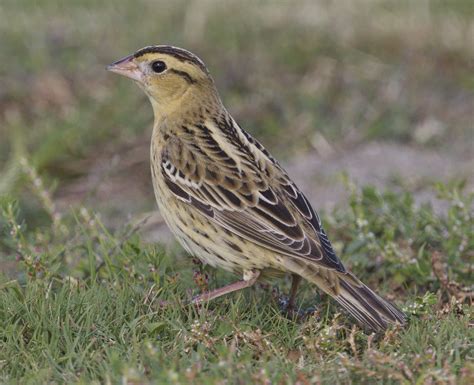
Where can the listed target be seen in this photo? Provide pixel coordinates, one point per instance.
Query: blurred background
(381, 92)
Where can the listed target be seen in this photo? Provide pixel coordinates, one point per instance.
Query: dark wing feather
(237, 193)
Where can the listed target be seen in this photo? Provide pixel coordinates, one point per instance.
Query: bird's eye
(158, 66)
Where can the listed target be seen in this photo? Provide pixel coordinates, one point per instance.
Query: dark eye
(158, 66)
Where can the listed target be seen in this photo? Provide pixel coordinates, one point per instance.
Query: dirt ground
(116, 179)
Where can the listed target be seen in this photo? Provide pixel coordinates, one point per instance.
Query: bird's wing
(248, 195)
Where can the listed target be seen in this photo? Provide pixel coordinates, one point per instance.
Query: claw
(291, 312)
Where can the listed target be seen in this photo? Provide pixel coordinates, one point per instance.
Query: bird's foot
(291, 311)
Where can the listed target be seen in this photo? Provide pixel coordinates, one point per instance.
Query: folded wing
(249, 196)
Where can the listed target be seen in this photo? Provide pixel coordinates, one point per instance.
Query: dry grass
(80, 300)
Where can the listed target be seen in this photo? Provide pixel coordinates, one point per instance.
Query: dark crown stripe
(178, 53)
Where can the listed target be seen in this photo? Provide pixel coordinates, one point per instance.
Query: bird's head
(171, 77)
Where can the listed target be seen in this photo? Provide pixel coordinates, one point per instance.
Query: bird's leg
(250, 277)
(287, 304)
(295, 282)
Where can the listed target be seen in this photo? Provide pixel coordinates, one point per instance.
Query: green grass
(80, 290)
(85, 305)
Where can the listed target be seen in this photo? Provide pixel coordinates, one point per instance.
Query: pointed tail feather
(367, 307)
(362, 303)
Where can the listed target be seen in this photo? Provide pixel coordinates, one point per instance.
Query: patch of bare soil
(119, 186)
(384, 165)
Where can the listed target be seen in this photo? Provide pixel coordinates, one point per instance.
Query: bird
(227, 200)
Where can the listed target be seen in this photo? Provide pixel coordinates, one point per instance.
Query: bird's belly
(208, 241)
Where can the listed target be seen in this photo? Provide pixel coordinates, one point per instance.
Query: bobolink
(226, 199)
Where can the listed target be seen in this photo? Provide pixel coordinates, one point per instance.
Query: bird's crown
(172, 77)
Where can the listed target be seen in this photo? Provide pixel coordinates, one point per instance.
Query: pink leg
(249, 279)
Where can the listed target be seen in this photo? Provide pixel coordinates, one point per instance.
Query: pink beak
(126, 67)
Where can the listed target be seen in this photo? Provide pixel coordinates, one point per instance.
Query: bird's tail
(365, 305)
(362, 303)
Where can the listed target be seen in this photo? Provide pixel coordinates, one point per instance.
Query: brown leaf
(452, 287)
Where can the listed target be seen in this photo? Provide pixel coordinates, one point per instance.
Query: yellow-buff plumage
(226, 199)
